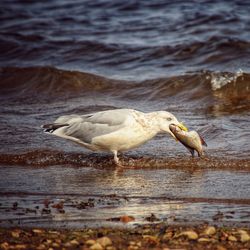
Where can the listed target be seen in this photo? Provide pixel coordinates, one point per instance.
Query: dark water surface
(62, 57)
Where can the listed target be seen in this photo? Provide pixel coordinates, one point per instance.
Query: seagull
(115, 130)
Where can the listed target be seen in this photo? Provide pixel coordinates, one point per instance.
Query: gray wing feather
(86, 127)
(109, 117)
(86, 131)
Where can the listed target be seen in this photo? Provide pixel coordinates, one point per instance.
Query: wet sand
(87, 191)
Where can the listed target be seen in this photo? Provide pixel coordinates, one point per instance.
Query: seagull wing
(87, 127)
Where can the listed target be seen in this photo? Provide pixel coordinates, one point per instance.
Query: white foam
(218, 79)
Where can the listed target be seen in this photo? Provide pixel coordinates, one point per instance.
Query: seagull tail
(50, 128)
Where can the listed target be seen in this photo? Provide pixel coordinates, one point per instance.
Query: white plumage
(112, 130)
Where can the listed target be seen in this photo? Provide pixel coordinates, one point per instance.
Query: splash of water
(218, 79)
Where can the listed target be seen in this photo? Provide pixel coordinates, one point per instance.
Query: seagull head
(166, 119)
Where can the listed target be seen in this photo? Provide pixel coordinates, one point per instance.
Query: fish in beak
(179, 125)
(191, 140)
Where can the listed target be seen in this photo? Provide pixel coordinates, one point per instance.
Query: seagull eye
(169, 119)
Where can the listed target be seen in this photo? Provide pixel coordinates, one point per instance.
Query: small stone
(37, 231)
(210, 230)
(132, 243)
(240, 231)
(204, 240)
(20, 246)
(41, 247)
(58, 241)
(110, 248)
(147, 231)
(74, 242)
(67, 244)
(104, 241)
(126, 219)
(96, 246)
(5, 246)
(15, 234)
(221, 248)
(56, 245)
(133, 248)
(138, 244)
(244, 236)
(232, 238)
(191, 235)
(168, 235)
(151, 240)
(90, 242)
(54, 232)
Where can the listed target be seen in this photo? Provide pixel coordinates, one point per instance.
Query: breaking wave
(57, 83)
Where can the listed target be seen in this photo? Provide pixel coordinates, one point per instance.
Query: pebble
(37, 231)
(54, 232)
(204, 240)
(90, 242)
(74, 242)
(58, 241)
(126, 219)
(110, 248)
(244, 236)
(67, 244)
(168, 235)
(48, 241)
(132, 243)
(20, 246)
(221, 248)
(133, 248)
(232, 238)
(96, 246)
(152, 240)
(191, 235)
(104, 241)
(15, 234)
(210, 230)
(56, 245)
(5, 245)
(41, 247)
(138, 244)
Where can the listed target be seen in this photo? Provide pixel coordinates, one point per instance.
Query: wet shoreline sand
(70, 190)
(47, 157)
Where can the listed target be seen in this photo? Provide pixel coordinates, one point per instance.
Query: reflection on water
(94, 196)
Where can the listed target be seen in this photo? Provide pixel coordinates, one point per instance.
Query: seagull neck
(153, 121)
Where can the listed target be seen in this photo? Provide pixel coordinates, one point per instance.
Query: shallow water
(171, 194)
(64, 57)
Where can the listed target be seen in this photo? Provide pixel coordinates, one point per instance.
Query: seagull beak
(182, 127)
(173, 127)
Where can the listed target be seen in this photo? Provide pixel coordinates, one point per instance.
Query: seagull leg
(116, 159)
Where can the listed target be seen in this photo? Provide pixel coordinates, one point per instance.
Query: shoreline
(149, 236)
